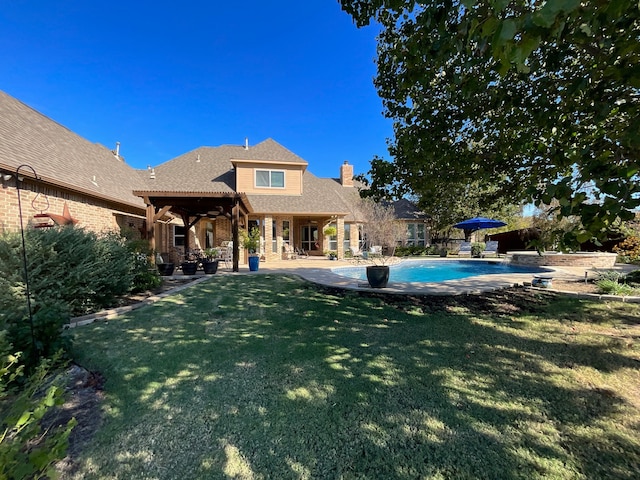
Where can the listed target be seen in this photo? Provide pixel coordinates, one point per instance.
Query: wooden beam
(151, 238)
(236, 235)
(160, 213)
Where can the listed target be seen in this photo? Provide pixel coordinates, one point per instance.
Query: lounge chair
(491, 248)
(300, 253)
(375, 251)
(465, 249)
(227, 254)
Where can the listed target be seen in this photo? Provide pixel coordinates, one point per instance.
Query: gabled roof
(61, 157)
(208, 169)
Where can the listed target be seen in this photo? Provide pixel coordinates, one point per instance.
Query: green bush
(612, 287)
(27, 448)
(71, 272)
(632, 278)
(144, 274)
(611, 275)
(414, 250)
(477, 248)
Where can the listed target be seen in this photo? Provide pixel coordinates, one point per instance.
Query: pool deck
(318, 270)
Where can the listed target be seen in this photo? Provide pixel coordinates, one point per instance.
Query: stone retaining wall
(553, 259)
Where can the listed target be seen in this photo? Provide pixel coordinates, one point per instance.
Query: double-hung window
(270, 178)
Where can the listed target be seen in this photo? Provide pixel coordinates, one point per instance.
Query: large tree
(538, 99)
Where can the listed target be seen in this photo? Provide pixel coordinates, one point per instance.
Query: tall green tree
(538, 99)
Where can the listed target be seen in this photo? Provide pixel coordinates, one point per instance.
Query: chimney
(346, 174)
(246, 143)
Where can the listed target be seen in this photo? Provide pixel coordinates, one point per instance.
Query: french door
(309, 236)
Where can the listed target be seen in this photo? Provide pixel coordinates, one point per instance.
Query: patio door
(309, 236)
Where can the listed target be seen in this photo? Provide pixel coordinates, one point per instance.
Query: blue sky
(163, 78)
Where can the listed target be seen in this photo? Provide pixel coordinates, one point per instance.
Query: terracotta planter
(210, 266)
(378, 275)
(189, 268)
(166, 269)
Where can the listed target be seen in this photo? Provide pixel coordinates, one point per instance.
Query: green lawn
(265, 376)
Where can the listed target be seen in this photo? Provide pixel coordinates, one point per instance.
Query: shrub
(144, 273)
(27, 449)
(71, 272)
(612, 287)
(632, 278)
(611, 275)
(477, 248)
(629, 249)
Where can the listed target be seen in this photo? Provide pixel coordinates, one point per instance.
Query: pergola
(193, 207)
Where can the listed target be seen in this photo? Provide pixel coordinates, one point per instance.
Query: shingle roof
(210, 169)
(60, 156)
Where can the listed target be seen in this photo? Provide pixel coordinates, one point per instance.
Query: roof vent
(152, 173)
(246, 143)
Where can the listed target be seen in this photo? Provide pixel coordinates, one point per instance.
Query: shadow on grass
(269, 377)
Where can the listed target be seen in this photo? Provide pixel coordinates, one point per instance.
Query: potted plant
(381, 228)
(189, 267)
(210, 261)
(251, 241)
(477, 248)
(330, 231)
(331, 255)
(164, 268)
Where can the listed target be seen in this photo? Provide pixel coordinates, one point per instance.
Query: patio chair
(300, 252)
(491, 248)
(227, 255)
(375, 251)
(465, 249)
(356, 254)
(289, 251)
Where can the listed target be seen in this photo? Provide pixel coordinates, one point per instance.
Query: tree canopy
(537, 100)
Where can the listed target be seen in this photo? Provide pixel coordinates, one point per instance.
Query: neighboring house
(197, 200)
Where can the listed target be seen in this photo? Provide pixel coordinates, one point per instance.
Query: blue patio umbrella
(479, 223)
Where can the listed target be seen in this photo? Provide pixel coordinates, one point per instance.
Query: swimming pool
(439, 271)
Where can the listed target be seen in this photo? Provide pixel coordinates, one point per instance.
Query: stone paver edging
(114, 312)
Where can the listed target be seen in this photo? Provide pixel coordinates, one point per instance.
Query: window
(178, 235)
(274, 238)
(270, 178)
(347, 237)
(333, 240)
(415, 234)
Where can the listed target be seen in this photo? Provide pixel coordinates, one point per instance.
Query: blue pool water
(439, 271)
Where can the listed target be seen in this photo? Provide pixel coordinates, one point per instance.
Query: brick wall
(93, 214)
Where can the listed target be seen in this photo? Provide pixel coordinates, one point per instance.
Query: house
(197, 200)
(88, 182)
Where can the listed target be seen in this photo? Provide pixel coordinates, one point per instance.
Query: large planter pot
(210, 266)
(189, 268)
(378, 275)
(254, 262)
(166, 269)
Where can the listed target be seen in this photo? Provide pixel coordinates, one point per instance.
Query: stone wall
(552, 259)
